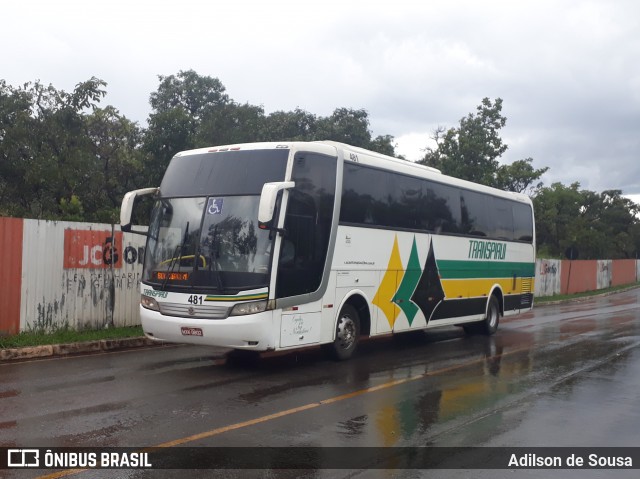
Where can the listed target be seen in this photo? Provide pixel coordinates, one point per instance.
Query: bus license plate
(191, 331)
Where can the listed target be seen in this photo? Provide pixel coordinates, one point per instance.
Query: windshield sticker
(214, 207)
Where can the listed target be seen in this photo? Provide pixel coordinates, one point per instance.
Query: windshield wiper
(212, 261)
(180, 249)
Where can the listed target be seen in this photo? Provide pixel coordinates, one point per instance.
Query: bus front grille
(198, 312)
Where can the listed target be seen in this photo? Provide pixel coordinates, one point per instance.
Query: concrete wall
(579, 276)
(87, 276)
(624, 271)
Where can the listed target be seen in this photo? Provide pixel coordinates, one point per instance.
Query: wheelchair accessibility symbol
(214, 207)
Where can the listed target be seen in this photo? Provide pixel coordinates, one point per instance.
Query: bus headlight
(241, 309)
(149, 303)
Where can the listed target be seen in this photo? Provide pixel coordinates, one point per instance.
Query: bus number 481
(194, 299)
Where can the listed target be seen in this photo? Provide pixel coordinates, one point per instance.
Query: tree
(194, 93)
(615, 216)
(471, 151)
(75, 160)
(191, 111)
(118, 162)
(557, 213)
(520, 176)
(384, 144)
(296, 125)
(598, 225)
(45, 145)
(230, 123)
(179, 106)
(15, 126)
(345, 125)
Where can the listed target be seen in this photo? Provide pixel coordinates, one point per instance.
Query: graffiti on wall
(98, 249)
(548, 268)
(94, 284)
(547, 277)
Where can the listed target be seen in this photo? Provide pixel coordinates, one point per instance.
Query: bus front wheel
(347, 333)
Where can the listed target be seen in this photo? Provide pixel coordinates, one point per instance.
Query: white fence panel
(80, 275)
(548, 277)
(604, 273)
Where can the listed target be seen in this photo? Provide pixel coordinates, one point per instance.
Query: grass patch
(586, 294)
(67, 335)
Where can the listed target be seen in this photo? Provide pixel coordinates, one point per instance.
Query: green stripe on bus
(246, 297)
(451, 269)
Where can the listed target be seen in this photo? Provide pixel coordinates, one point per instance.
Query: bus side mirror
(126, 209)
(268, 198)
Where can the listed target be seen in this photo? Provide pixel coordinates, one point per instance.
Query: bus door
(304, 246)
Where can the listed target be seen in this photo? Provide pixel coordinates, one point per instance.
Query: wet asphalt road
(564, 375)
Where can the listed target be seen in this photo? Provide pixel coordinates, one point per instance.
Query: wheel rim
(346, 332)
(493, 316)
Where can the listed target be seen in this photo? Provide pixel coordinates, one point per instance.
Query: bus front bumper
(251, 332)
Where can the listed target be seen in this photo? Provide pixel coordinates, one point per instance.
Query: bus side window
(475, 214)
(522, 224)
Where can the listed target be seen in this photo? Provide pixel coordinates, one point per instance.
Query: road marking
(295, 410)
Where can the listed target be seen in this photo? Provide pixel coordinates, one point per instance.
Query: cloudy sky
(567, 71)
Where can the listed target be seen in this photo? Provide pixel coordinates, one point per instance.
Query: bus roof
(365, 157)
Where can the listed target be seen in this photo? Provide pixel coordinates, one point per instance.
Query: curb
(70, 349)
(584, 298)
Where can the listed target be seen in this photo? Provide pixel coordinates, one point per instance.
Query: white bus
(275, 246)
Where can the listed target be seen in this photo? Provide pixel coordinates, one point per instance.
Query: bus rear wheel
(347, 333)
(489, 325)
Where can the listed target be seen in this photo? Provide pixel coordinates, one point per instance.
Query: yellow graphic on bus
(389, 285)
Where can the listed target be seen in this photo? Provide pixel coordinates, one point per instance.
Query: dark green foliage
(598, 225)
(63, 157)
(471, 152)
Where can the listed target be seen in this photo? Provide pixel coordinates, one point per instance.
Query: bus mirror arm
(267, 206)
(126, 210)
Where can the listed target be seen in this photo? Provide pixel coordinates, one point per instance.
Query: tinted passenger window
(405, 202)
(522, 222)
(501, 219)
(442, 208)
(373, 197)
(475, 215)
(362, 202)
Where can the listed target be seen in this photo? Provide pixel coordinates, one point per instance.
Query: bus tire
(347, 333)
(489, 325)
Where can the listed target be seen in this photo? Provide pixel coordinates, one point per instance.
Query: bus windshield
(210, 242)
(204, 228)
